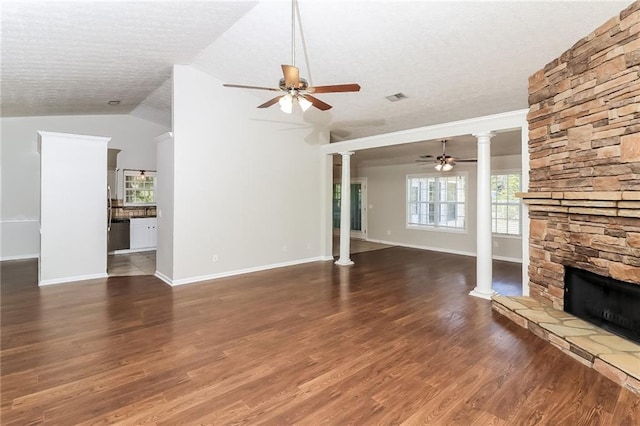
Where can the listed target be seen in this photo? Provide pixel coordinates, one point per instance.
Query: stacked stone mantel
(584, 148)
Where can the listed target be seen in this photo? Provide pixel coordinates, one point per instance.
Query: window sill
(436, 229)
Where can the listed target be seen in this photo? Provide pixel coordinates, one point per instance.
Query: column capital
(347, 153)
(484, 136)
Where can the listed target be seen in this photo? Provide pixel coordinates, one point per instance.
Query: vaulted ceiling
(452, 60)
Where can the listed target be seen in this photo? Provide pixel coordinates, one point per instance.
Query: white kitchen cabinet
(143, 233)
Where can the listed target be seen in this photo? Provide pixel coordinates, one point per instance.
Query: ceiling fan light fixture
(286, 104)
(304, 103)
(443, 167)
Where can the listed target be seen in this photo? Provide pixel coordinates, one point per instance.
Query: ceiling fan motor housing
(302, 85)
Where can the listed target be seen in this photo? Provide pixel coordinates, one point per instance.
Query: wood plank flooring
(394, 339)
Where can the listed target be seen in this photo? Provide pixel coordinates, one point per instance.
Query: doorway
(358, 208)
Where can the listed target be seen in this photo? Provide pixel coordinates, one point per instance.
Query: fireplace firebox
(603, 301)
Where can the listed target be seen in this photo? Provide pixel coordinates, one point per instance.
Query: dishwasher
(118, 235)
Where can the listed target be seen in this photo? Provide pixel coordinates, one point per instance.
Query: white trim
(19, 257)
(434, 228)
(19, 220)
(104, 139)
(200, 278)
(524, 184)
(362, 234)
(70, 279)
(507, 259)
(415, 246)
(496, 122)
(520, 204)
(162, 277)
(443, 250)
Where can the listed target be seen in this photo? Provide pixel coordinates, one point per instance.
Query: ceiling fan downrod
(293, 32)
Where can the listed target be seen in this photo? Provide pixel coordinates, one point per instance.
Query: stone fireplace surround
(584, 189)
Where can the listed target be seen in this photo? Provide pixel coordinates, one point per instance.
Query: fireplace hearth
(603, 301)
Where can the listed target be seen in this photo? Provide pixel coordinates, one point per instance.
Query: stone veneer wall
(584, 145)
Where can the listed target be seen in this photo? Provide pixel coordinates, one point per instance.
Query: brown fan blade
(242, 86)
(317, 102)
(291, 76)
(466, 160)
(334, 88)
(270, 102)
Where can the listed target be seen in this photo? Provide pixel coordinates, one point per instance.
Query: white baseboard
(19, 257)
(71, 279)
(439, 249)
(190, 280)
(163, 277)
(443, 250)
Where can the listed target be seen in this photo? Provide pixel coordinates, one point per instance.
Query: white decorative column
(345, 210)
(484, 267)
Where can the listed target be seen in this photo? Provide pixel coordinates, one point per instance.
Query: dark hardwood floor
(394, 339)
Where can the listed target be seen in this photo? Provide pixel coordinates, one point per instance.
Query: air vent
(114, 102)
(397, 97)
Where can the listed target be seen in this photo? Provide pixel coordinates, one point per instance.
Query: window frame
(134, 173)
(506, 172)
(436, 228)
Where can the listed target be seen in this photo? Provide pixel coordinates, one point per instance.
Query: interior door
(358, 207)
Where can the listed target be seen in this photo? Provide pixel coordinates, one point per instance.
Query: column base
(481, 294)
(341, 262)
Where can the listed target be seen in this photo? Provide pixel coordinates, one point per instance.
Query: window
(436, 202)
(506, 209)
(139, 188)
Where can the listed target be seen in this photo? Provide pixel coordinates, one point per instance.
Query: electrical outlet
(214, 258)
(388, 232)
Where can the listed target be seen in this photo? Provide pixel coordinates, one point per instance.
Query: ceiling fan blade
(291, 76)
(426, 156)
(334, 88)
(242, 86)
(317, 102)
(466, 160)
(270, 102)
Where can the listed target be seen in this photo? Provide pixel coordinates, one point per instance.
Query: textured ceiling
(73, 57)
(453, 60)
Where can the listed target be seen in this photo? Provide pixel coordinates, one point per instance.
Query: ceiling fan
(445, 162)
(295, 88)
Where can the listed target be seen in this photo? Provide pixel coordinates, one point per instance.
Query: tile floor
(615, 357)
(140, 263)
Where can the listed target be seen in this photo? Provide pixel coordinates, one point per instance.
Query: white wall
(73, 236)
(164, 203)
(386, 192)
(20, 209)
(244, 191)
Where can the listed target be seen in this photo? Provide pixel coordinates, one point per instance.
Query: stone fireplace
(584, 147)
